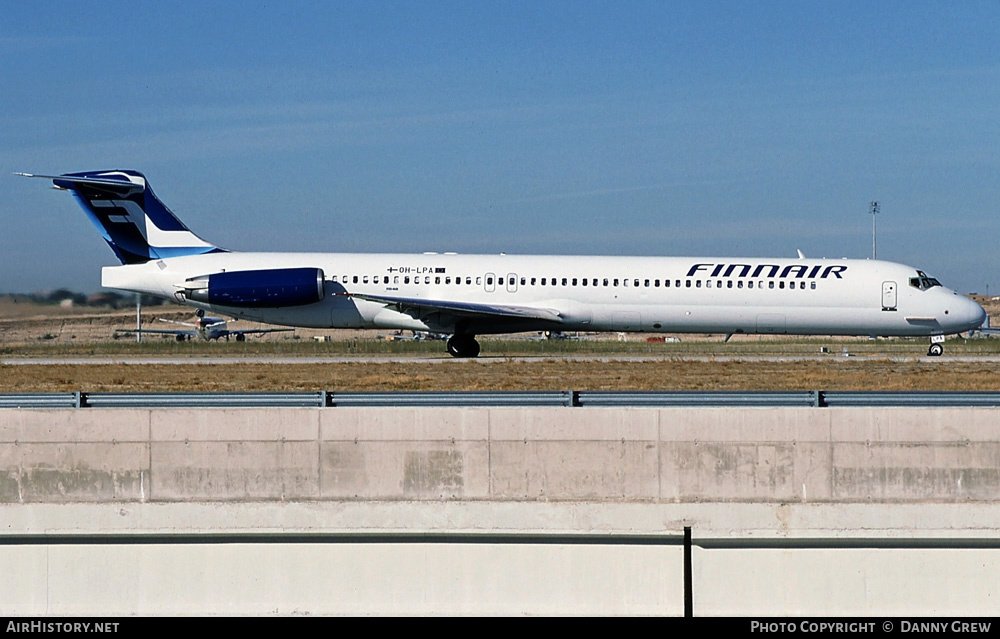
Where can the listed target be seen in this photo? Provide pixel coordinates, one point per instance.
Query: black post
(688, 588)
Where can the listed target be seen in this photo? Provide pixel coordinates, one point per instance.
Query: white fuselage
(649, 294)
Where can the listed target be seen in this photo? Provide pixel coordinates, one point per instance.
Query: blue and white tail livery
(132, 220)
(470, 295)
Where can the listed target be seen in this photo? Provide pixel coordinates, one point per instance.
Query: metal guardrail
(623, 399)
(908, 398)
(695, 398)
(39, 400)
(460, 398)
(204, 400)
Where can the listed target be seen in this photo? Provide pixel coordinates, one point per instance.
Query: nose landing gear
(937, 346)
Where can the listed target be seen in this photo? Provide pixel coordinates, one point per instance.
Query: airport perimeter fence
(567, 398)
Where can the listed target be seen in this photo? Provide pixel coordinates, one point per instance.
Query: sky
(717, 128)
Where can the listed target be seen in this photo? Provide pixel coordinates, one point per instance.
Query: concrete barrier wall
(737, 475)
(359, 579)
(347, 579)
(669, 455)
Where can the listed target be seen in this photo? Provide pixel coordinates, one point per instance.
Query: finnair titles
(470, 295)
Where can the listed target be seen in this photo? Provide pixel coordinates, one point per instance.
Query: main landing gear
(463, 346)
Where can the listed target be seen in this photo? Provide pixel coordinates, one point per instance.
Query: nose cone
(973, 313)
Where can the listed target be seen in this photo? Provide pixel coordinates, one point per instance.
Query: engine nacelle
(273, 288)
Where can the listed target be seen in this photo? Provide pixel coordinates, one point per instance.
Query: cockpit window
(923, 282)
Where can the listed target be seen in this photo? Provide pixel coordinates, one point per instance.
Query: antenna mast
(874, 211)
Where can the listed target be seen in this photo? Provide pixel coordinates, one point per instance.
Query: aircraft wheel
(463, 346)
(240, 337)
(935, 350)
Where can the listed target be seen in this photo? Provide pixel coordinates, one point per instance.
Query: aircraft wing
(258, 331)
(466, 309)
(170, 321)
(133, 331)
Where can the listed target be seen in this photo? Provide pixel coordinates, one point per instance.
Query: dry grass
(832, 374)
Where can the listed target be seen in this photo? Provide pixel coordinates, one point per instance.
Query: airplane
(205, 327)
(470, 295)
(415, 336)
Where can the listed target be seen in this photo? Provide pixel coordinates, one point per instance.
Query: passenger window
(595, 281)
(583, 281)
(770, 284)
(543, 281)
(812, 285)
(574, 281)
(447, 280)
(687, 283)
(605, 281)
(395, 279)
(739, 284)
(532, 281)
(698, 284)
(406, 280)
(489, 281)
(781, 285)
(656, 283)
(522, 281)
(616, 282)
(355, 279)
(635, 283)
(750, 284)
(564, 281)
(677, 283)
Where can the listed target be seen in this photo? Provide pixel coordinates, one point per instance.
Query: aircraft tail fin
(133, 221)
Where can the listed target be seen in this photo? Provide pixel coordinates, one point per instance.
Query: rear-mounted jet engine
(272, 288)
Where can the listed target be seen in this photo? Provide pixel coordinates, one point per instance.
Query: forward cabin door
(888, 296)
